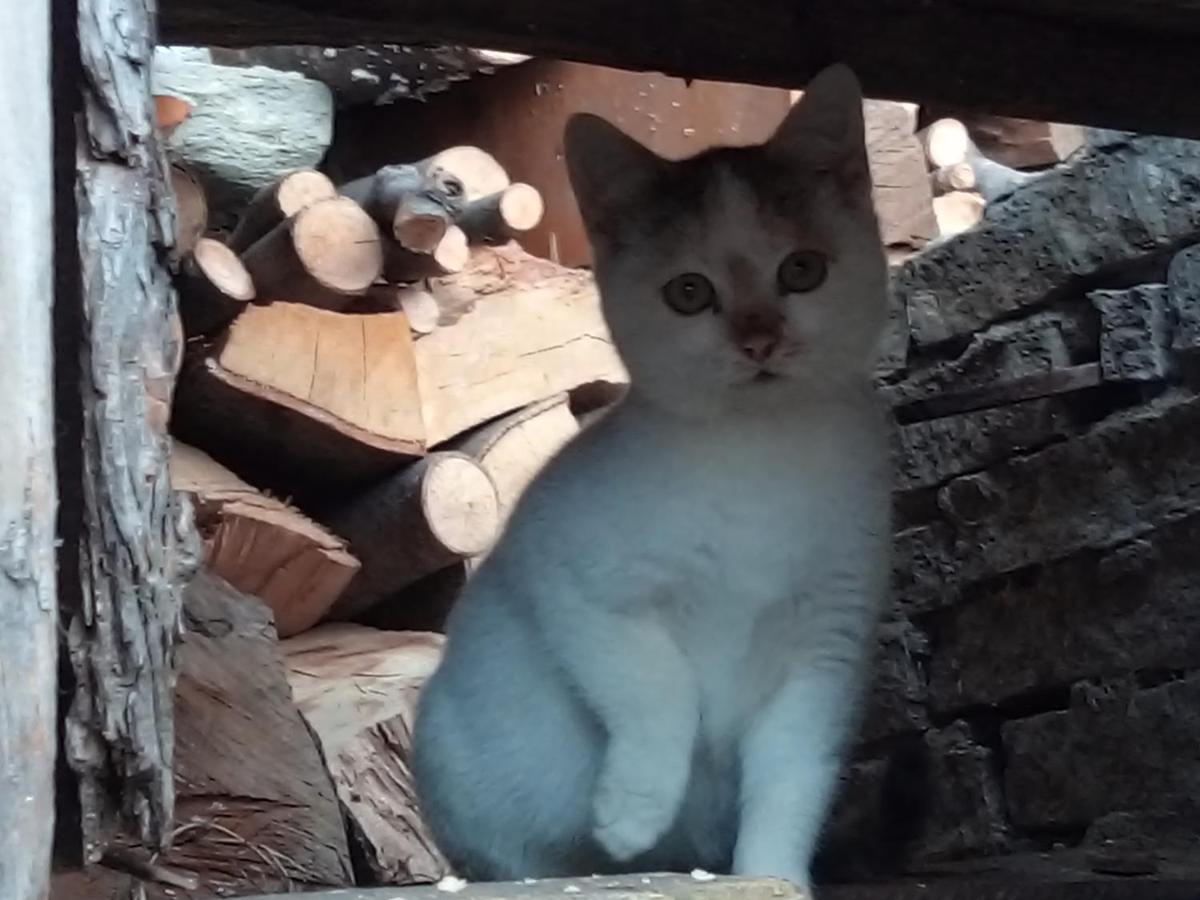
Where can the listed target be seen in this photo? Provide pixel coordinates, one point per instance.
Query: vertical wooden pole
(137, 547)
(28, 611)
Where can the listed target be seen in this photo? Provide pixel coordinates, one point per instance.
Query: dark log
(1120, 54)
(214, 288)
(439, 510)
(374, 75)
(191, 209)
(327, 253)
(411, 202)
(278, 201)
(137, 546)
(28, 492)
(500, 217)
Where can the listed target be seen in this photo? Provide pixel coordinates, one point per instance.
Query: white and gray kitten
(659, 665)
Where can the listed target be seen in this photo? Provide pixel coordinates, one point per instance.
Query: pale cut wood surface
(358, 688)
(527, 330)
(262, 546)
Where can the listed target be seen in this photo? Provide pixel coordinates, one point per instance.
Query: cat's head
(741, 276)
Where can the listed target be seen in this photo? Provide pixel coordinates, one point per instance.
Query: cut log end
(521, 206)
(460, 504)
(301, 189)
(947, 142)
(477, 169)
(339, 244)
(420, 308)
(498, 217)
(419, 232)
(223, 269)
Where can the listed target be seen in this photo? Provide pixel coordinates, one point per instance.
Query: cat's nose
(759, 346)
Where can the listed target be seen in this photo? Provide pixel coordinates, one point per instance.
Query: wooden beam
(28, 499)
(1102, 63)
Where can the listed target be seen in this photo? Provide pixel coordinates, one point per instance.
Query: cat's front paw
(631, 814)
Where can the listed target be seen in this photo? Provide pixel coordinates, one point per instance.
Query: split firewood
(946, 142)
(278, 202)
(1024, 143)
(449, 256)
(498, 218)
(441, 509)
(957, 211)
(320, 398)
(412, 204)
(262, 546)
(191, 209)
(214, 288)
(513, 449)
(539, 332)
(357, 688)
(326, 253)
(900, 180)
(477, 170)
(958, 177)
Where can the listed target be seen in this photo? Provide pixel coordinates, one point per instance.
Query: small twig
(130, 863)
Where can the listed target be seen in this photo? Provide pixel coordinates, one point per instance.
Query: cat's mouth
(764, 376)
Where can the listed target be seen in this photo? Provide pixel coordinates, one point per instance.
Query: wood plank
(28, 499)
(1120, 55)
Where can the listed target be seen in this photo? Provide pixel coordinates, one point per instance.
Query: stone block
(1111, 204)
(1115, 749)
(1183, 287)
(1135, 333)
(896, 703)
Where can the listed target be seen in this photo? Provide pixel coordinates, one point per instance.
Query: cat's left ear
(609, 170)
(824, 129)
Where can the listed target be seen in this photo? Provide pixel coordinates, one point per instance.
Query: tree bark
(500, 217)
(278, 201)
(214, 288)
(28, 491)
(137, 543)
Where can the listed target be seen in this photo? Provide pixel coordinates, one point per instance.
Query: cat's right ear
(609, 170)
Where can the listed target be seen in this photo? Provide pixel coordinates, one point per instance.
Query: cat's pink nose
(759, 346)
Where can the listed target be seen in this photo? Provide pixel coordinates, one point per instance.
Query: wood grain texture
(138, 544)
(528, 329)
(357, 688)
(1066, 61)
(262, 546)
(28, 493)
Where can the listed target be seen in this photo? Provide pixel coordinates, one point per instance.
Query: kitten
(659, 665)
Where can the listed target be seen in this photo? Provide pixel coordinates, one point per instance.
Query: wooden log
(278, 201)
(539, 332)
(412, 204)
(477, 170)
(439, 510)
(958, 177)
(514, 448)
(131, 546)
(305, 399)
(451, 255)
(500, 217)
(214, 288)
(357, 688)
(417, 304)
(946, 142)
(28, 483)
(170, 112)
(957, 211)
(191, 209)
(262, 546)
(1024, 143)
(248, 126)
(256, 807)
(423, 605)
(329, 251)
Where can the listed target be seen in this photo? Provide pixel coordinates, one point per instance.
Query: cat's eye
(801, 272)
(689, 293)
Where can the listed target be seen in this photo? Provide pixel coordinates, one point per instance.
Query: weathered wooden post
(129, 544)
(28, 633)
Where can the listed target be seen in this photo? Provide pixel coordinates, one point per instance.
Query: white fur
(659, 664)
